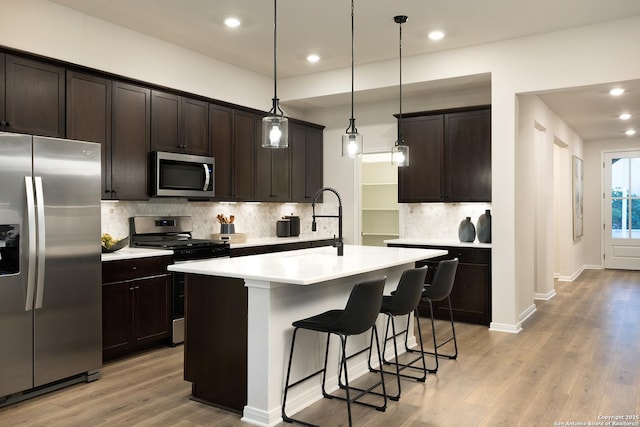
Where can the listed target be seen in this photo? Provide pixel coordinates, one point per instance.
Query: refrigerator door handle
(31, 220)
(41, 242)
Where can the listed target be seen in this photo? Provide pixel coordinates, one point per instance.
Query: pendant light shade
(351, 140)
(275, 126)
(400, 151)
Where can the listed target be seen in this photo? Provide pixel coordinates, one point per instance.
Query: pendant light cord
(352, 120)
(401, 19)
(276, 104)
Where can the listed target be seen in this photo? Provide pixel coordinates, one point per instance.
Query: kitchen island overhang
(279, 288)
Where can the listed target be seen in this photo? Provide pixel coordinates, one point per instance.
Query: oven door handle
(207, 176)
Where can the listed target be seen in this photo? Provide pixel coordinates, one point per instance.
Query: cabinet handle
(134, 268)
(137, 287)
(131, 289)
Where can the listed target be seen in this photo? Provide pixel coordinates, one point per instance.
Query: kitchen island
(238, 322)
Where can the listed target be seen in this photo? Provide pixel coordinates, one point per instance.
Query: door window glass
(625, 198)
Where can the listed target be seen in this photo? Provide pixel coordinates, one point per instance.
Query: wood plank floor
(578, 358)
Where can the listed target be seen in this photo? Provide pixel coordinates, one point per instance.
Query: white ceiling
(324, 27)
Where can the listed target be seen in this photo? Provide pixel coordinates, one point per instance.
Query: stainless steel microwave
(182, 175)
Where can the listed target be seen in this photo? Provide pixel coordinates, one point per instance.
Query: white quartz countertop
(437, 242)
(267, 241)
(129, 253)
(308, 266)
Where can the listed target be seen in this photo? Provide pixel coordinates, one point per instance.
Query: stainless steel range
(175, 233)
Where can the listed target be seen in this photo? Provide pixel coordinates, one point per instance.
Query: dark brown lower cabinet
(471, 293)
(215, 351)
(136, 303)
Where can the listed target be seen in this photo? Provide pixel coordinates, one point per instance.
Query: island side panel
(215, 347)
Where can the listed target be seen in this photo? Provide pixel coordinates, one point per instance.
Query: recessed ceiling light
(624, 116)
(232, 22)
(313, 58)
(436, 35)
(616, 91)
(630, 132)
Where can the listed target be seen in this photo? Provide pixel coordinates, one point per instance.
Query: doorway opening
(621, 210)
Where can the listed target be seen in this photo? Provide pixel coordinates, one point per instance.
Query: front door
(622, 210)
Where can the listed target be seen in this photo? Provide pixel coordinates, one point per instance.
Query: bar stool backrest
(362, 308)
(442, 283)
(407, 296)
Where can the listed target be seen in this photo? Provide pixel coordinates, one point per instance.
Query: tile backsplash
(438, 220)
(257, 220)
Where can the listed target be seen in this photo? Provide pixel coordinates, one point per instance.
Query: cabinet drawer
(470, 255)
(464, 255)
(122, 270)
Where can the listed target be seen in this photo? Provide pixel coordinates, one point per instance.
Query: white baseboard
(575, 275)
(544, 297)
(527, 313)
(505, 327)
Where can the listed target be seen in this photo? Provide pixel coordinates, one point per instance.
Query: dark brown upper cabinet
(179, 124)
(89, 117)
(273, 173)
(233, 140)
(306, 161)
(34, 97)
(468, 156)
(131, 117)
(450, 156)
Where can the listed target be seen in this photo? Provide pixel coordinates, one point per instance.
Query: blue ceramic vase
(466, 230)
(484, 227)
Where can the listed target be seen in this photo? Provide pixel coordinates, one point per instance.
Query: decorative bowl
(116, 246)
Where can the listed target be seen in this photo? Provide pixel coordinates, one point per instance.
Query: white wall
(584, 56)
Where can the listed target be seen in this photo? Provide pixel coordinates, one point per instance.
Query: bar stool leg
(433, 334)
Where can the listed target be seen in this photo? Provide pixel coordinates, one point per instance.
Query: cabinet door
(306, 162)
(35, 97)
(89, 117)
(273, 174)
(166, 132)
(469, 296)
(130, 141)
(422, 180)
(152, 308)
(195, 123)
(220, 134)
(244, 143)
(117, 318)
(468, 157)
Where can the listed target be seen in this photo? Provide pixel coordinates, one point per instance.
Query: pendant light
(400, 151)
(275, 126)
(351, 140)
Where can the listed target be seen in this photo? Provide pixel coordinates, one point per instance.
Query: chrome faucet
(338, 243)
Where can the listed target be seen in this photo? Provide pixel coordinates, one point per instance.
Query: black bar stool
(403, 301)
(358, 316)
(438, 290)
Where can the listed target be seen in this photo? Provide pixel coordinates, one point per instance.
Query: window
(625, 198)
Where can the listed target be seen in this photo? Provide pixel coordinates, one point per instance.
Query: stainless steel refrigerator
(50, 269)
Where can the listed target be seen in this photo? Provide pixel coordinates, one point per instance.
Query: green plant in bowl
(109, 244)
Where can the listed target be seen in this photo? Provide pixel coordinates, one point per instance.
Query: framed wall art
(578, 192)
